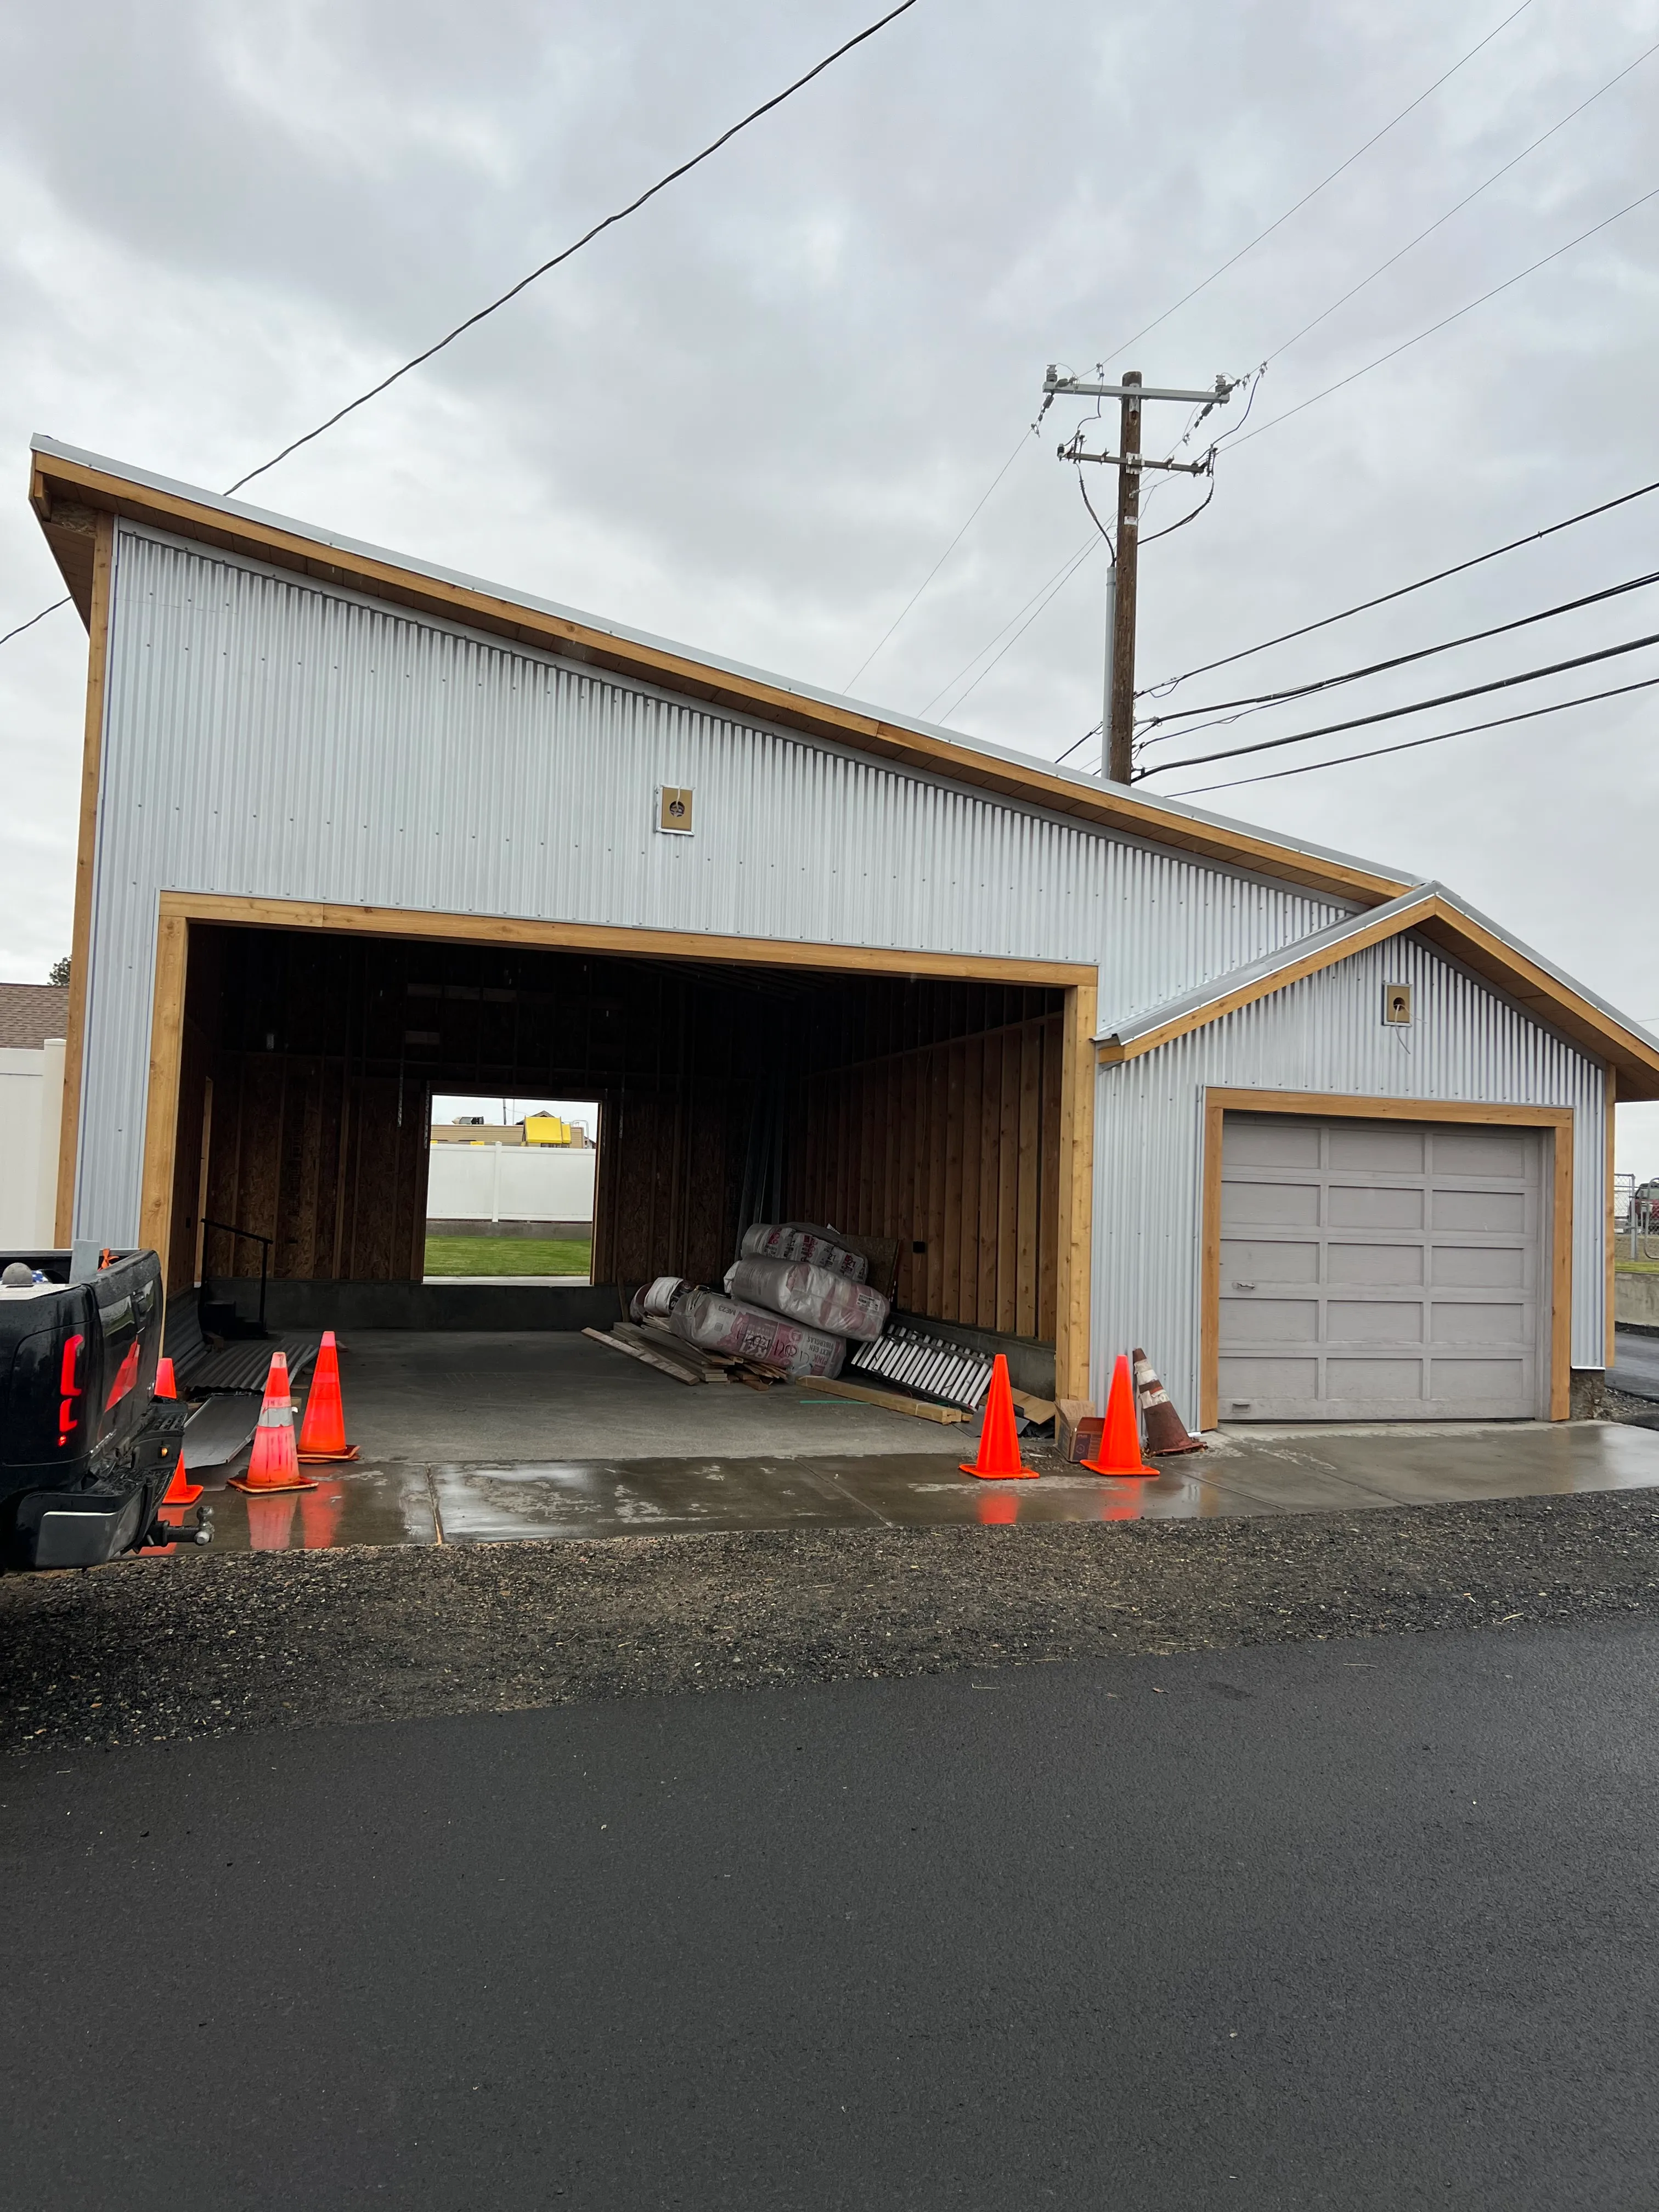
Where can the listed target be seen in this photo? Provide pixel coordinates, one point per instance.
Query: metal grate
(929, 1365)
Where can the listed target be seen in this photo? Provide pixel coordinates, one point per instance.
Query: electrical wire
(1233, 259)
(1417, 706)
(620, 215)
(32, 619)
(1257, 699)
(1514, 162)
(941, 561)
(1162, 689)
(1456, 315)
(1410, 745)
(1056, 583)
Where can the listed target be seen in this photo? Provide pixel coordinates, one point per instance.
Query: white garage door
(1380, 1271)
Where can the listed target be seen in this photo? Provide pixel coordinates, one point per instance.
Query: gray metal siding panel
(1323, 1033)
(267, 735)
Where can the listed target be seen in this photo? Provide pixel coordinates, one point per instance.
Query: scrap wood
(1034, 1408)
(649, 1355)
(924, 1408)
(694, 1362)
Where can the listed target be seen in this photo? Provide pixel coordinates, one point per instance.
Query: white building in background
(34, 1023)
(481, 1186)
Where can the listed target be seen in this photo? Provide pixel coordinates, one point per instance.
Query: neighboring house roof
(32, 1013)
(68, 488)
(1429, 910)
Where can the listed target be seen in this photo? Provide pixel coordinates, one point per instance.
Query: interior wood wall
(952, 1147)
(670, 1175)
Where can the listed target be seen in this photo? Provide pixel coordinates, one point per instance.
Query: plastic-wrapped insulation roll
(715, 1323)
(813, 1295)
(800, 1240)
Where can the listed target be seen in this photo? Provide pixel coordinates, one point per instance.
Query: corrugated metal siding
(267, 735)
(1323, 1033)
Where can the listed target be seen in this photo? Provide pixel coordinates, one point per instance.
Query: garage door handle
(1243, 1286)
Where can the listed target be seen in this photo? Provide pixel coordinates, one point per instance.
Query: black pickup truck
(87, 1450)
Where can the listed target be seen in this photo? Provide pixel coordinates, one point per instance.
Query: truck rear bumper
(54, 1528)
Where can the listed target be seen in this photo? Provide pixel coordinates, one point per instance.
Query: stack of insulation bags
(792, 1299)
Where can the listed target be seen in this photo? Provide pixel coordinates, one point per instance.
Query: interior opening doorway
(510, 1186)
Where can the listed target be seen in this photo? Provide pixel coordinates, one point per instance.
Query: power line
(1259, 700)
(1457, 314)
(1233, 259)
(32, 619)
(1061, 577)
(1514, 162)
(1410, 745)
(1418, 707)
(620, 215)
(1403, 591)
(938, 564)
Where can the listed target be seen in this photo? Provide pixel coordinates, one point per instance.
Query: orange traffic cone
(165, 1387)
(273, 1465)
(1120, 1442)
(181, 1491)
(322, 1435)
(1166, 1432)
(999, 1445)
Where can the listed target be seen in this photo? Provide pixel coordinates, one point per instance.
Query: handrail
(253, 1237)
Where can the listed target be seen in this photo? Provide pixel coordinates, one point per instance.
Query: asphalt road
(1369, 1922)
(1635, 1364)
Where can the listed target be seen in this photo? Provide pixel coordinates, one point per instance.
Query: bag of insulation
(814, 1295)
(802, 1240)
(715, 1322)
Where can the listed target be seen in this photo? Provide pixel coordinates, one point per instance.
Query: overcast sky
(754, 416)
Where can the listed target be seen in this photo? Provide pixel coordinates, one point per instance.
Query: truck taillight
(69, 1385)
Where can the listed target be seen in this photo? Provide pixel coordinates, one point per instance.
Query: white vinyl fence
(31, 1106)
(510, 1182)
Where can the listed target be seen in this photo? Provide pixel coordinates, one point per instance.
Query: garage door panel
(1373, 1321)
(1483, 1152)
(1276, 1142)
(1482, 1324)
(1397, 1272)
(1480, 1266)
(1274, 1321)
(1387, 1266)
(1374, 1205)
(1270, 1205)
(1272, 1385)
(1498, 1212)
(1376, 1150)
(1396, 1380)
(1251, 1260)
(1481, 1387)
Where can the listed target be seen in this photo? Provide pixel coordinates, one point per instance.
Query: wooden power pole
(1118, 720)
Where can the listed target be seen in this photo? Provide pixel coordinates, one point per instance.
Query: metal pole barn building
(1109, 1069)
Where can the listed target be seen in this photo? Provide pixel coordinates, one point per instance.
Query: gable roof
(32, 1013)
(1429, 910)
(68, 488)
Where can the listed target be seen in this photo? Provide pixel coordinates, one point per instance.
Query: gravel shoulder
(157, 1648)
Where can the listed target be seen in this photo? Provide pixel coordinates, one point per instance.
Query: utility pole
(1118, 720)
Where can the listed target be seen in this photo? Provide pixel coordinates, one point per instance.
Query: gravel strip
(149, 1650)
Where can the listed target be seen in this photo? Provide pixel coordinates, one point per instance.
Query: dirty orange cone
(322, 1435)
(1120, 1442)
(274, 1465)
(1164, 1429)
(165, 1385)
(999, 1442)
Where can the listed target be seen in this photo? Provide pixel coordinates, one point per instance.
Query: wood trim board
(1610, 1320)
(1319, 1105)
(86, 853)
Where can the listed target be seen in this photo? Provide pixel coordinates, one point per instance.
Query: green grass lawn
(1636, 1267)
(508, 1255)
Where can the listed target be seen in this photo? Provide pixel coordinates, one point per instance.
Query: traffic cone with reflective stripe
(1120, 1442)
(274, 1465)
(322, 1433)
(1164, 1429)
(998, 1440)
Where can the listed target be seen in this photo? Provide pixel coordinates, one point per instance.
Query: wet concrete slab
(493, 1504)
(355, 1504)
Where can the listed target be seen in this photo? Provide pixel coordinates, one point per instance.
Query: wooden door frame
(1319, 1105)
(1074, 1179)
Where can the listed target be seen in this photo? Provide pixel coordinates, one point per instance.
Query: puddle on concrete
(352, 1505)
